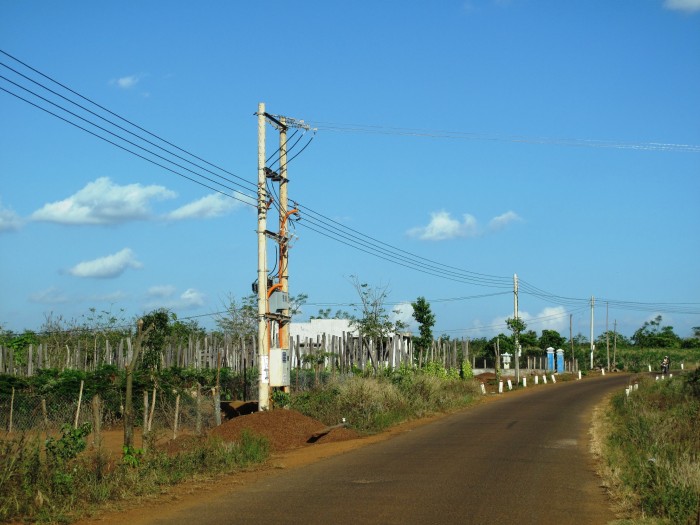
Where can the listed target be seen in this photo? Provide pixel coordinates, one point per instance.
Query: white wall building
(317, 327)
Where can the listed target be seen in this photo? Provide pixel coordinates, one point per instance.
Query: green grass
(372, 404)
(651, 449)
(35, 487)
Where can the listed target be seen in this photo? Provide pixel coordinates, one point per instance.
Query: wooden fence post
(97, 421)
(80, 401)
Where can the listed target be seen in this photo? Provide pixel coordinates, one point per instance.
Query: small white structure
(506, 360)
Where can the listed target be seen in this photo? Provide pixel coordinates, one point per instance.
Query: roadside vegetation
(371, 404)
(50, 476)
(59, 479)
(54, 482)
(649, 446)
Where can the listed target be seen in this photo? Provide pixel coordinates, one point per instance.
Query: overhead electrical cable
(462, 135)
(338, 228)
(251, 186)
(128, 150)
(122, 118)
(316, 221)
(433, 269)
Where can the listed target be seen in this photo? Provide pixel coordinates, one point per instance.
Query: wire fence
(156, 410)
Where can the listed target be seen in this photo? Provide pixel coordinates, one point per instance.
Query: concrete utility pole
(592, 345)
(283, 333)
(517, 339)
(267, 290)
(263, 347)
(571, 338)
(607, 334)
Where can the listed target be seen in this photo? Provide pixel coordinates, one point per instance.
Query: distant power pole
(615, 342)
(571, 338)
(517, 340)
(607, 333)
(592, 345)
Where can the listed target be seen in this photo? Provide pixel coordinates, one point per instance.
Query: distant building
(315, 328)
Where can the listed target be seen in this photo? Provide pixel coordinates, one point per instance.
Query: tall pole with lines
(283, 334)
(592, 344)
(517, 340)
(263, 349)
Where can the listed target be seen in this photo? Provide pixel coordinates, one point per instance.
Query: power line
(130, 151)
(463, 135)
(321, 223)
(116, 115)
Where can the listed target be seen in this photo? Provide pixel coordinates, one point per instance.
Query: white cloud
(111, 297)
(214, 205)
(688, 6)
(161, 297)
(9, 220)
(443, 227)
(192, 297)
(403, 312)
(106, 267)
(500, 222)
(103, 202)
(126, 82)
(51, 295)
(161, 291)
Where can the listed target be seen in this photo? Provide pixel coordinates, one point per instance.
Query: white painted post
(500, 387)
(602, 371)
(537, 380)
(649, 368)
(544, 379)
(627, 392)
(554, 379)
(524, 382)
(682, 367)
(510, 385)
(579, 374)
(483, 388)
(670, 376)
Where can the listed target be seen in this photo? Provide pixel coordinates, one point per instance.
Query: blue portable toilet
(560, 361)
(550, 358)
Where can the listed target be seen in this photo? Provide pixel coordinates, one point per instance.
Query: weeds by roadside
(371, 404)
(54, 482)
(649, 443)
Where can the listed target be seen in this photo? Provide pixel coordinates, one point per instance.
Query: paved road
(522, 459)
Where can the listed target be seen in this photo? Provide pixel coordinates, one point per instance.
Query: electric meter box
(280, 366)
(279, 301)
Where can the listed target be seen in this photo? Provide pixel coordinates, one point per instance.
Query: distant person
(665, 364)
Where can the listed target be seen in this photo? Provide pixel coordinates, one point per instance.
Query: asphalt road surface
(521, 459)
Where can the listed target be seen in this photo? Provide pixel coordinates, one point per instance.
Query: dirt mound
(285, 429)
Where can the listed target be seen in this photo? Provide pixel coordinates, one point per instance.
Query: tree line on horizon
(370, 318)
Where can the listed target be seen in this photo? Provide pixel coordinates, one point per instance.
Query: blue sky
(556, 140)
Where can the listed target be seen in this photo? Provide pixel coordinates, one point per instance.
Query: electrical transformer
(280, 367)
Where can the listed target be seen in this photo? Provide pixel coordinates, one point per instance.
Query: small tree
(517, 326)
(374, 322)
(426, 320)
(241, 319)
(157, 326)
